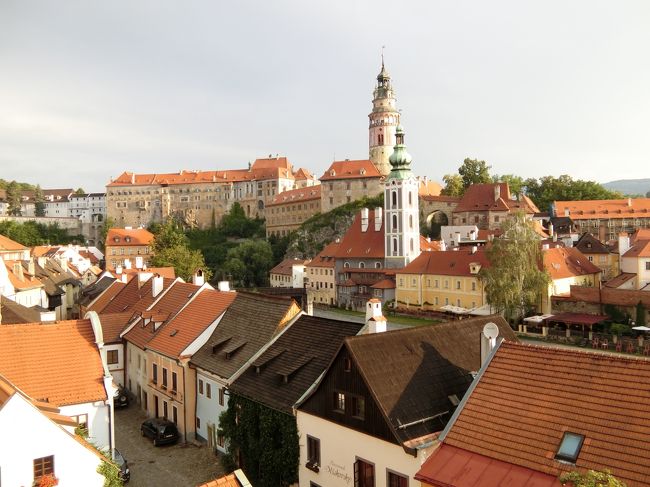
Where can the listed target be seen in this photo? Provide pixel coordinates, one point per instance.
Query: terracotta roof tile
(297, 195)
(326, 257)
(619, 280)
(588, 244)
(177, 334)
(481, 197)
(537, 393)
(357, 244)
(7, 244)
(608, 209)
(58, 362)
(113, 324)
(448, 263)
(135, 296)
(12, 313)
(123, 237)
(641, 248)
(350, 170)
(107, 295)
(563, 262)
(286, 266)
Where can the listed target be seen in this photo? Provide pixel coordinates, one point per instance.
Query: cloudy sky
(89, 89)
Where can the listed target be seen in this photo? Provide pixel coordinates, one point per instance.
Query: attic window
(173, 333)
(570, 447)
(453, 399)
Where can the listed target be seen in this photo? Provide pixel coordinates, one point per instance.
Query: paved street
(175, 465)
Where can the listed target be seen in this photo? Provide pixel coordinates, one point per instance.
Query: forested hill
(630, 186)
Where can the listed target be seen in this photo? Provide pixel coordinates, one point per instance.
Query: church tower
(384, 119)
(402, 227)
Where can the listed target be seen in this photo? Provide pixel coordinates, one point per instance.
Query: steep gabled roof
(55, 362)
(356, 244)
(106, 296)
(482, 197)
(563, 262)
(588, 244)
(641, 248)
(113, 324)
(296, 195)
(6, 244)
(177, 334)
(12, 312)
(291, 365)
(448, 263)
(326, 257)
(412, 372)
(247, 326)
(350, 170)
(529, 396)
(135, 296)
(125, 237)
(286, 266)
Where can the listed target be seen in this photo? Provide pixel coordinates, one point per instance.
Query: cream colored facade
(341, 447)
(607, 262)
(432, 291)
(321, 287)
(563, 287)
(639, 266)
(286, 215)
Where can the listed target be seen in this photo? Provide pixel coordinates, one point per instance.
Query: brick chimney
(18, 271)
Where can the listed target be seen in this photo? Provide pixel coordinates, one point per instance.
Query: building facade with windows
(347, 181)
(289, 209)
(320, 276)
(128, 248)
(289, 273)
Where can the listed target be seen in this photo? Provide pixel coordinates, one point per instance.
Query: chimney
(551, 230)
(364, 219)
(545, 246)
(457, 238)
(566, 212)
(18, 271)
(198, 279)
(118, 270)
(497, 191)
(378, 218)
(223, 286)
(143, 277)
(31, 267)
(629, 202)
(127, 264)
(124, 278)
(139, 264)
(63, 263)
(472, 235)
(41, 261)
(374, 318)
(623, 243)
(488, 340)
(156, 285)
(443, 245)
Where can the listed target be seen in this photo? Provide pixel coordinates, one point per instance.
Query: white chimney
(551, 230)
(31, 268)
(497, 192)
(41, 261)
(629, 202)
(118, 269)
(198, 279)
(378, 218)
(374, 317)
(623, 243)
(124, 278)
(545, 246)
(139, 263)
(364, 219)
(488, 340)
(474, 249)
(457, 235)
(472, 235)
(566, 212)
(443, 245)
(127, 264)
(18, 271)
(223, 286)
(156, 285)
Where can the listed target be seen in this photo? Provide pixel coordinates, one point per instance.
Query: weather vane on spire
(382, 55)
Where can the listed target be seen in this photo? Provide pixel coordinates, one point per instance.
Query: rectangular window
(111, 357)
(154, 373)
(43, 466)
(339, 402)
(82, 421)
(395, 479)
(200, 386)
(647, 266)
(313, 453)
(358, 407)
(198, 422)
(208, 390)
(174, 381)
(364, 474)
(221, 441)
(473, 286)
(457, 284)
(175, 414)
(165, 411)
(222, 394)
(164, 378)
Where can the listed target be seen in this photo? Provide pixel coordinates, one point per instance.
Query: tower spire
(383, 120)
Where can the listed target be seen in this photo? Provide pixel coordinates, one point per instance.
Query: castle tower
(384, 119)
(402, 227)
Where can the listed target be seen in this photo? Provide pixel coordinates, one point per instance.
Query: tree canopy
(249, 263)
(592, 478)
(171, 249)
(31, 233)
(473, 171)
(453, 185)
(14, 199)
(545, 190)
(515, 278)
(39, 202)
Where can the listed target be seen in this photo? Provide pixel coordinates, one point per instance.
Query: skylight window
(570, 447)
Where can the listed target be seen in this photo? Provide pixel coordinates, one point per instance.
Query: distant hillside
(629, 186)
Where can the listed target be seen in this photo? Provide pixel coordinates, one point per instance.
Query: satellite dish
(491, 330)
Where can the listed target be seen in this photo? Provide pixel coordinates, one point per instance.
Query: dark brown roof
(300, 354)
(13, 313)
(247, 326)
(529, 396)
(588, 244)
(286, 266)
(412, 372)
(89, 293)
(619, 280)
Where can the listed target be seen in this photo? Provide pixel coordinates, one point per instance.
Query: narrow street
(172, 466)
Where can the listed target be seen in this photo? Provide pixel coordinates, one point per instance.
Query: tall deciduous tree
(39, 201)
(545, 190)
(515, 183)
(516, 276)
(453, 185)
(171, 249)
(14, 199)
(249, 263)
(473, 171)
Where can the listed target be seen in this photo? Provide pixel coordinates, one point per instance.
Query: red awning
(450, 466)
(577, 318)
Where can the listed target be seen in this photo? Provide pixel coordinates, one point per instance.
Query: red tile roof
(296, 195)
(176, 335)
(122, 237)
(21, 284)
(529, 396)
(135, 296)
(7, 244)
(384, 284)
(563, 262)
(326, 257)
(591, 209)
(106, 297)
(641, 234)
(113, 324)
(641, 248)
(428, 188)
(358, 244)
(285, 267)
(58, 363)
(481, 197)
(350, 170)
(302, 174)
(447, 263)
(619, 280)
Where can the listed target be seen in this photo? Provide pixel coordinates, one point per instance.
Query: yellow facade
(429, 292)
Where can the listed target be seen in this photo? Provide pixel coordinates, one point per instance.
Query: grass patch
(398, 319)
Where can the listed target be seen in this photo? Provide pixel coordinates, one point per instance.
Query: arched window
(411, 222)
(412, 245)
(393, 199)
(346, 265)
(394, 246)
(410, 198)
(377, 265)
(362, 265)
(395, 223)
(380, 139)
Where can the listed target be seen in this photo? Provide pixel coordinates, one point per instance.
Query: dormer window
(570, 447)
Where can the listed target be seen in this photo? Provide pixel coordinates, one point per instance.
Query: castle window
(395, 223)
(411, 222)
(394, 246)
(380, 139)
(393, 198)
(410, 198)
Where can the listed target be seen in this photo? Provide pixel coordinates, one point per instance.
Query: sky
(90, 89)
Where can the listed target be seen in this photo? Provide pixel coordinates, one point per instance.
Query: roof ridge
(571, 351)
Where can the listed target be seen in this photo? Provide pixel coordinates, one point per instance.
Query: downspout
(185, 408)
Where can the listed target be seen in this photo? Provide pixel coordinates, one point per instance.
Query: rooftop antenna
(382, 56)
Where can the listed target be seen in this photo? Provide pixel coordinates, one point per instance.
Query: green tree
(249, 263)
(39, 201)
(453, 185)
(544, 191)
(265, 440)
(235, 224)
(515, 278)
(515, 183)
(184, 260)
(79, 191)
(592, 478)
(473, 171)
(14, 199)
(167, 235)
(108, 224)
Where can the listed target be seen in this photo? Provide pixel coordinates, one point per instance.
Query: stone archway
(435, 220)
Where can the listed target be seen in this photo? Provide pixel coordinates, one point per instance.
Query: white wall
(116, 370)
(74, 464)
(136, 375)
(98, 420)
(208, 410)
(339, 449)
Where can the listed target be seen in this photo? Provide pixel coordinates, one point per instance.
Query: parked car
(120, 398)
(125, 473)
(161, 431)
